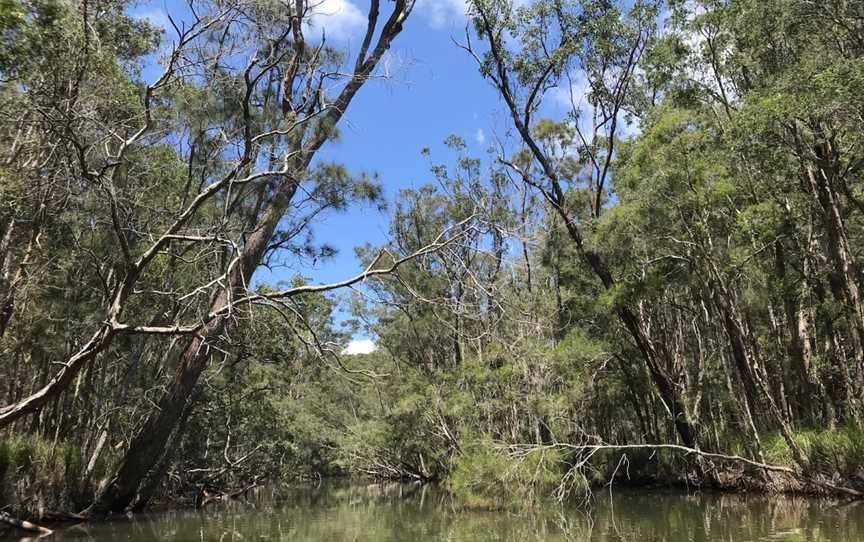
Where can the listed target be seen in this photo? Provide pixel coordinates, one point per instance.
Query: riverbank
(43, 481)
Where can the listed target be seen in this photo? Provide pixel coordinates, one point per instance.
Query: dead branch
(25, 525)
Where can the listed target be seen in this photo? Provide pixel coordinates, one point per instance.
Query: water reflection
(417, 514)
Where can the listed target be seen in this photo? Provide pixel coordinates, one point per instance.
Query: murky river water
(415, 514)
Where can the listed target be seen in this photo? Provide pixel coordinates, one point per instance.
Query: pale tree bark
(148, 445)
(845, 269)
(10, 282)
(102, 336)
(667, 385)
(822, 173)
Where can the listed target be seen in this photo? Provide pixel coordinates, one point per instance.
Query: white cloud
(447, 13)
(572, 92)
(442, 13)
(480, 136)
(360, 346)
(339, 19)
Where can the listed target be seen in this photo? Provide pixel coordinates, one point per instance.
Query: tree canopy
(672, 262)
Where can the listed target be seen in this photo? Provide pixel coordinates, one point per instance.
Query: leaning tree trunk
(148, 446)
(844, 275)
(151, 483)
(668, 388)
(748, 365)
(498, 71)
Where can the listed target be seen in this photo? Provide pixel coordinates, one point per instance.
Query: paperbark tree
(522, 86)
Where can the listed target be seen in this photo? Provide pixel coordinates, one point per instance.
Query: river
(418, 514)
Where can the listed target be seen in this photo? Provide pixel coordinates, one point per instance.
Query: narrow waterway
(417, 514)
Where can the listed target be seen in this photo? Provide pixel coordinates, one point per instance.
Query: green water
(416, 514)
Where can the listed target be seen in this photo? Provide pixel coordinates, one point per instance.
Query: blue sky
(435, 91)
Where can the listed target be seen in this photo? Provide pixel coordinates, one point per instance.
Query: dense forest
(661, 285)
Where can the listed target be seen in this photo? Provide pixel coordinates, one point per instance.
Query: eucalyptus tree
(309, 118)
(713, 233)
(185, 182)
(765, 101)
(760, 126)
(799, 105)
(530, 52)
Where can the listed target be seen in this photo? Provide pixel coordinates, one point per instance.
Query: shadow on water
(421, 513)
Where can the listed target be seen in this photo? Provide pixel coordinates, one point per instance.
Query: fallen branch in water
(63, 516)
(205, 497)
(24, 525)
(593, 448)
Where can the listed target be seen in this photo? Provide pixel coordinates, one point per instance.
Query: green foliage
(52, 473)
(829, 452)
(487, 478)
(690, 233)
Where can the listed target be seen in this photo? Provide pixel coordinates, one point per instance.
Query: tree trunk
(844, 275)
(668, 388)
(748, 365)
(149, 444)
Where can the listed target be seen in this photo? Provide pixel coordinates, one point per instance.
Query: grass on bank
(839, 450)
(38, 475)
